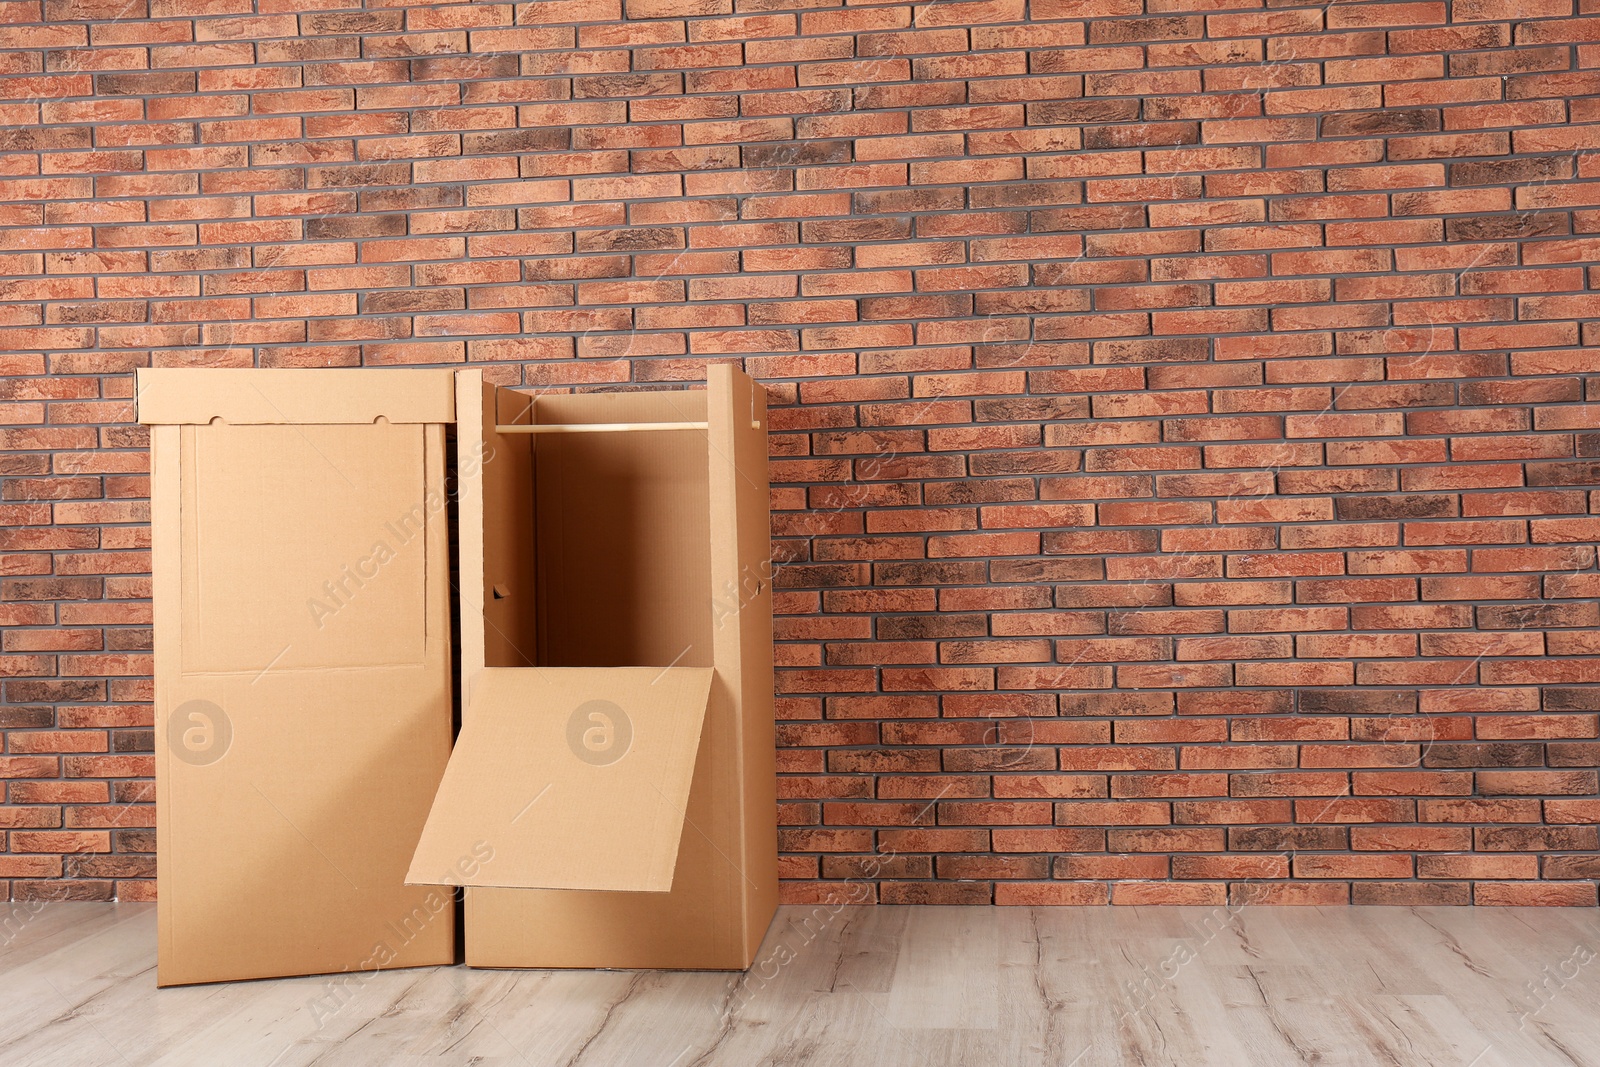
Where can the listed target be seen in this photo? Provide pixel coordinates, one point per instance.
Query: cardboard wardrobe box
(616, 749)
(303, 700)
(610, 800)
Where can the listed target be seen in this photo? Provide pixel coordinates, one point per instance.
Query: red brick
(1410, 839)
(1048, 893)
(1411, 894)
(1353, 866)
(1168, 893)
(1543, 894)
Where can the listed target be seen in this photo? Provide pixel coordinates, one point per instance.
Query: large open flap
(567, 778)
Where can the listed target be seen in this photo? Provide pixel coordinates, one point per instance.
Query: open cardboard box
(610, 799)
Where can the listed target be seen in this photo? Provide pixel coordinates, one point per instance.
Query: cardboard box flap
(303, 696)
(251, 396)
(567, 778)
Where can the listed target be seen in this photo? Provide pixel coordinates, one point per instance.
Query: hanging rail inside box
(605, 427)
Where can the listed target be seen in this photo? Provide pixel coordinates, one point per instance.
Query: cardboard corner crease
(610, 800)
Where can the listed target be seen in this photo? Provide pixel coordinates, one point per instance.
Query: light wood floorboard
(864, 987)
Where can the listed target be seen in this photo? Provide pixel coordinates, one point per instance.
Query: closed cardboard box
(303, 684)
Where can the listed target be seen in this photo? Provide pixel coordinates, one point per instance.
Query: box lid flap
(567, 778)
(253, 396)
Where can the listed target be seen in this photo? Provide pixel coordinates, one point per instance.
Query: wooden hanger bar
(600, 427)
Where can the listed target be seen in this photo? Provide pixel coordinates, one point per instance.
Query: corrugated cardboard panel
(565, 409)
(495, 494)
(303, 706)
(694, 926)
(741, 579)
(568, 778)
(240, 396)
(315, 558)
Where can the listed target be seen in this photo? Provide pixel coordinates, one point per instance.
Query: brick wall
(1186, 455)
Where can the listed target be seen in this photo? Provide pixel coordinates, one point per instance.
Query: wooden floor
(865, 987)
